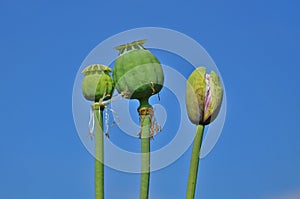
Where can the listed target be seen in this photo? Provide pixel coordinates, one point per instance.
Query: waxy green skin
(195, 97)
(204, 95)
(97, 82)
(98, 85)
(137, 73)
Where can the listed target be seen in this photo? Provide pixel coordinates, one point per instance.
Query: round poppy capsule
(97, 83)
(137, 72)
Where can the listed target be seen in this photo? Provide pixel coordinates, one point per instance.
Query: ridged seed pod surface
(137, 72)
(97, 82)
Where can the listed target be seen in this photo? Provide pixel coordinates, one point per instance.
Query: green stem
(145, 139)
(99, 152)
(190, 194)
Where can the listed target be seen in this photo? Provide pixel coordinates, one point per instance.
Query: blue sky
(255, 45)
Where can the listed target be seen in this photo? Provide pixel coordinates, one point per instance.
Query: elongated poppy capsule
(204, 94)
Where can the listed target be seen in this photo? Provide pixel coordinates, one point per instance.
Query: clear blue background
(254, 43)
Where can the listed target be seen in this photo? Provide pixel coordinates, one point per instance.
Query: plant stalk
(99, 152)
(145, 147)
(190, 193)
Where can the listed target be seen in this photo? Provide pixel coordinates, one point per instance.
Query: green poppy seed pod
(97, 83)
(204, 94)
(138, 73)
